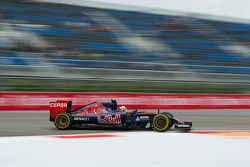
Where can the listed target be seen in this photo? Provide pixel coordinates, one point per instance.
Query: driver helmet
(123, 108)
(113, 100)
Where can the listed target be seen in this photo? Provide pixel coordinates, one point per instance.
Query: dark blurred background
(57, 47)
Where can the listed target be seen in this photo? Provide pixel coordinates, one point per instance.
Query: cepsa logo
(58, 104)
(108, 119)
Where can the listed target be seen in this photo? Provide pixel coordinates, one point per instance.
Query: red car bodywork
(65, 106)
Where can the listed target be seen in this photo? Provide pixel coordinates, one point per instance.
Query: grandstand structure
(49, 40)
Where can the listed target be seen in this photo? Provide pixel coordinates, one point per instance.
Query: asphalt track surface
(33, 123)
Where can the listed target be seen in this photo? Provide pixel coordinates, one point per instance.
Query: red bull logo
(109, 119)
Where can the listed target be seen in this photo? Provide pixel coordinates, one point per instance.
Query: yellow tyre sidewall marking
(161, 115)
(63, 115)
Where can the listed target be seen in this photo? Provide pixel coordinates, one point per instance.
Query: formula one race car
(107, 114)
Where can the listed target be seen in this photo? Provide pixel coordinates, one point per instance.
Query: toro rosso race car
(107, 114)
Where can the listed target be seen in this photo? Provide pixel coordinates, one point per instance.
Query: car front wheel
(161, 122)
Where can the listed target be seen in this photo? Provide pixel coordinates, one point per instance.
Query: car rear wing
(58, 107)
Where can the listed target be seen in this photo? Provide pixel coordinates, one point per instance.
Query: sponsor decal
(183, 126)
(81, 119)
(144, 117)
(58, 104)
(109, 119)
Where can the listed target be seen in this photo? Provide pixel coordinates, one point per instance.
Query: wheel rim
(160, 123)
(63, 121)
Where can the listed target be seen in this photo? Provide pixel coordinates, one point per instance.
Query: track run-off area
(219, 138)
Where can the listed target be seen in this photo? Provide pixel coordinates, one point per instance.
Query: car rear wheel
(63, 121)
(161, 122)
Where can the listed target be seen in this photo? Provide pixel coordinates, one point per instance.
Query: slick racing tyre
(161, 122)
(171, 116)
(63, 121)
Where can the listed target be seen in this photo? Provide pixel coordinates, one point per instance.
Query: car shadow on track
(112, 130)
